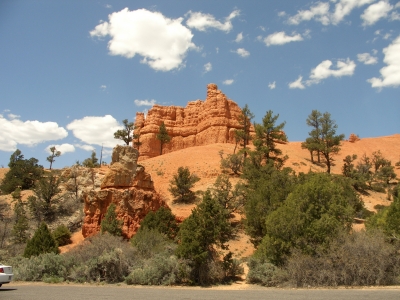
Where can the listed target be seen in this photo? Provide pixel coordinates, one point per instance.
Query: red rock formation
(129, 187)
(199, 123)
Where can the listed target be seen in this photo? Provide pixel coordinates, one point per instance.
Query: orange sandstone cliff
(129, 187)
(199, 123)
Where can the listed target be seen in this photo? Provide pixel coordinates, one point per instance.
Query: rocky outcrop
(199, 123)
(129, 187)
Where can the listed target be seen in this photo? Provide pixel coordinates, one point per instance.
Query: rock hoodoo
(199, 123)
(129, 187)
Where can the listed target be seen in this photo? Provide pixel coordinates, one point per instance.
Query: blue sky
(71, 71)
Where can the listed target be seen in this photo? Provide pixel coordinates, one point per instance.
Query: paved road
(77, 292)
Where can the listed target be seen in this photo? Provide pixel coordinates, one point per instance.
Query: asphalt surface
(42, 291)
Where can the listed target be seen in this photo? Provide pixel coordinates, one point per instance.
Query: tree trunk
(328, 164)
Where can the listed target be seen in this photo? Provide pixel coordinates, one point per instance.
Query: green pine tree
(161, 220)
(163, 136)
(110, 223)
(268, 134)
(41, 242)
(181, 184)
(199, 235)
(242, 135)
(21, 225)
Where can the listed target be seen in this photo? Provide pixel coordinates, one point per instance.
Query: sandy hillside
(204, 161)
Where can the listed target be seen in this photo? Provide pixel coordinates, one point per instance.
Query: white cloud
(375, 12)
(14, 131)
(297, 84)
(103, 87)
(202, 22)
(63, 148)
(207, 67)
(344, 8)
(162, 42)
(320, 12)
(228, 81)
(242, 52)
(280, 38)
(96, 130)
(323, 70)
(395, 16)
(145, 102)
(12, 116)
(390, 74)
(367, 58)
(272, 85)
(239, 37)
(387, 36)
(85, 147)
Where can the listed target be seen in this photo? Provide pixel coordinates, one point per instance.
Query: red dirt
(204, 161)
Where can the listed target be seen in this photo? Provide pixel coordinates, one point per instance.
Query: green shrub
(149, 242)
(357, 259)
(36, 268)
(62, 235)
(264, 273)
(102, 257)
(23, 173)
(378, 187)
(314, 213)
(160, 270)
(52, 279)
(41, 242)
(378, 207)
(162, 220)
(181, 184)
(110, 223)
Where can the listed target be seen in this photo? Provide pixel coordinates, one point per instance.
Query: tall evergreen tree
(199, 235)
(313, 143)
(46, 195)
(242, 135)
(163, 136)
(330, 142)
(41, 242)
(21, 225)
(268, 133)
(54, 154)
